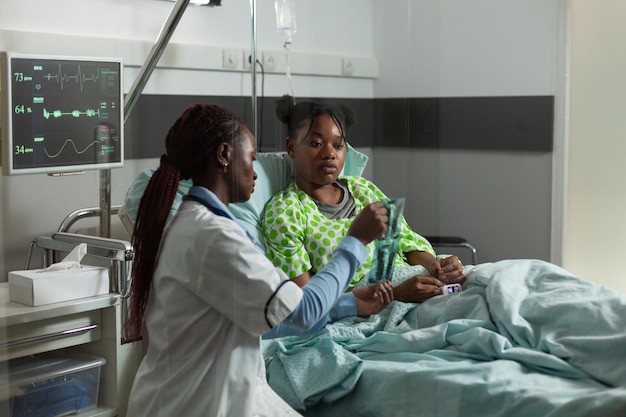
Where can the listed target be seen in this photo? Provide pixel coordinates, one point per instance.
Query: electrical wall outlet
(347, 66)
(230, 58)
(270, 60)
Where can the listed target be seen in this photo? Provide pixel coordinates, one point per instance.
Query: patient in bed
(303, 223)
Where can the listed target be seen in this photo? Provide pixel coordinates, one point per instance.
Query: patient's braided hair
(190, 144)
(294, 116)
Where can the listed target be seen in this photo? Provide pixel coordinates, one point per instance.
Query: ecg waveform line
(79, 77)
(73, 113)
(71, 142)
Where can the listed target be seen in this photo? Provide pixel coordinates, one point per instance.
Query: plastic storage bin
(49, 384)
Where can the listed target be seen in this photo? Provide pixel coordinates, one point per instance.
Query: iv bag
(285, 18)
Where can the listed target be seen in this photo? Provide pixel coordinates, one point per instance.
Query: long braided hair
(189, 144)
(294, 115)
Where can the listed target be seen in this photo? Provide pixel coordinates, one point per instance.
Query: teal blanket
(524, 338)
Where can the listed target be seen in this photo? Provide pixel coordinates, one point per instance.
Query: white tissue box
(38, 287)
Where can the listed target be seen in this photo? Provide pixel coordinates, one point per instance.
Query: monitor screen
(61, 114)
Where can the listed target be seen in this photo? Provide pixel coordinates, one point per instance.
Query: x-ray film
(387, 245)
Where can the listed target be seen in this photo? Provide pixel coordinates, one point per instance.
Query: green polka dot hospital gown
(300, 238)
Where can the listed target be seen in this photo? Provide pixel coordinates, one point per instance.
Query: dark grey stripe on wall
(480, 123)
(523, 123)
(153, 115)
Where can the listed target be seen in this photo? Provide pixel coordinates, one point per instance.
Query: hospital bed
(523, 338)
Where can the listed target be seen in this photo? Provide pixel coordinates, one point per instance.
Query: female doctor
(204, 295)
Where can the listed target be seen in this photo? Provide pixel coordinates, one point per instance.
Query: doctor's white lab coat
(213, 296)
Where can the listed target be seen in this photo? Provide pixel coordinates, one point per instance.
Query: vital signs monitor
(61, 114)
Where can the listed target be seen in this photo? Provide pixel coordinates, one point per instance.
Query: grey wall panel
(470, 123)
(522, 123)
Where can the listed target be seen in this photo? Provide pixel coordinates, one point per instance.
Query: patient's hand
(448, 270)
(373, 298)
(417, 289)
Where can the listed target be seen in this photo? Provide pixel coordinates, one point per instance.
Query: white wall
(451, 48)
(596, 201)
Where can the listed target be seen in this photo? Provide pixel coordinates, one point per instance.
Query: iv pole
(140, 82)
(253, 67)
(131, 99)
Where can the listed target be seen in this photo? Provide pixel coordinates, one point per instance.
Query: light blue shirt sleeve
(323, 298)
